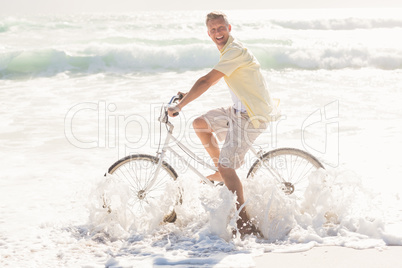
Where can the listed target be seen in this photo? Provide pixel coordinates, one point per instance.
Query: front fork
(160, 156)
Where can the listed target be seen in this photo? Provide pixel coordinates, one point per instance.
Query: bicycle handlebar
(174, 99)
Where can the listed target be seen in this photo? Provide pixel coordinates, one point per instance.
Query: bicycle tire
(137, 170)
(293, 165)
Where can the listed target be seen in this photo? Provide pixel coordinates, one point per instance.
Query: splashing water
(335, 210)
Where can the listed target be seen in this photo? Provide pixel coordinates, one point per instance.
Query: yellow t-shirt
(243, 76)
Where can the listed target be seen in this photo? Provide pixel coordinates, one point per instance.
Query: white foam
(336, 210)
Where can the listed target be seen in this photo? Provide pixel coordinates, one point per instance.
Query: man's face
(219, 32)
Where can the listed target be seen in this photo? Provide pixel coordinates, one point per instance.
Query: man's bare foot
(246, 228)
(215, 177)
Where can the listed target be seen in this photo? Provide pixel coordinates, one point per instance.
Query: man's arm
(197, 90)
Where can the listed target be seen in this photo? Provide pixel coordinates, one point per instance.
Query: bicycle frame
(166, 147)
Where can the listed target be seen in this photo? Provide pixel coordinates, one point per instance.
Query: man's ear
(230, 27)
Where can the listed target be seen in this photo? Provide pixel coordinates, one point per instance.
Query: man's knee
(200, 124)
(224, 168)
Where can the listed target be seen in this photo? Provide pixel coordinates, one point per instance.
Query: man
(240, 124)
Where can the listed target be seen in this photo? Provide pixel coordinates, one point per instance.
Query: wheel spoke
(130, 179)
(304, 175)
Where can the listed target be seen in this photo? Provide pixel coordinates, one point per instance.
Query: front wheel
(289, 167)
(137, 172)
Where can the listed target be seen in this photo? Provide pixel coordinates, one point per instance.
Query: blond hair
(216, 15)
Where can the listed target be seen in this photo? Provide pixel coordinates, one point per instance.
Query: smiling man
(238, 125)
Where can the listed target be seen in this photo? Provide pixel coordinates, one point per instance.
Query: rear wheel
(137, 172)
(290, 167)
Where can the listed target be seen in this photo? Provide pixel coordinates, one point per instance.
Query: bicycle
(147, 175)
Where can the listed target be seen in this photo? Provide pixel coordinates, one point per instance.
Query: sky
(10, 7)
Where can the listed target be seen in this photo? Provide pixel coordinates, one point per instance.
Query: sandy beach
(333, 257)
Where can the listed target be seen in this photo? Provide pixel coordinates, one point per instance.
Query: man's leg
(204, 133)
(240, 137)
(234, 184)
(225, 174)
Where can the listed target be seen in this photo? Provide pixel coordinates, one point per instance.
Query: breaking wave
(351, 23)
(139, 58)
(141, 42)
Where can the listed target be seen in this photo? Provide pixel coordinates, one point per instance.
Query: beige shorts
(236, 129)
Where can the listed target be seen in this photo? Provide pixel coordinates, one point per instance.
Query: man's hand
(183, 94)
(173, 111)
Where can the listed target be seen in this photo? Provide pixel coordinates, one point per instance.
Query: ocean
(80, 91)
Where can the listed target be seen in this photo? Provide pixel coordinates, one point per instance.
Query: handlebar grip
(176, 98)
